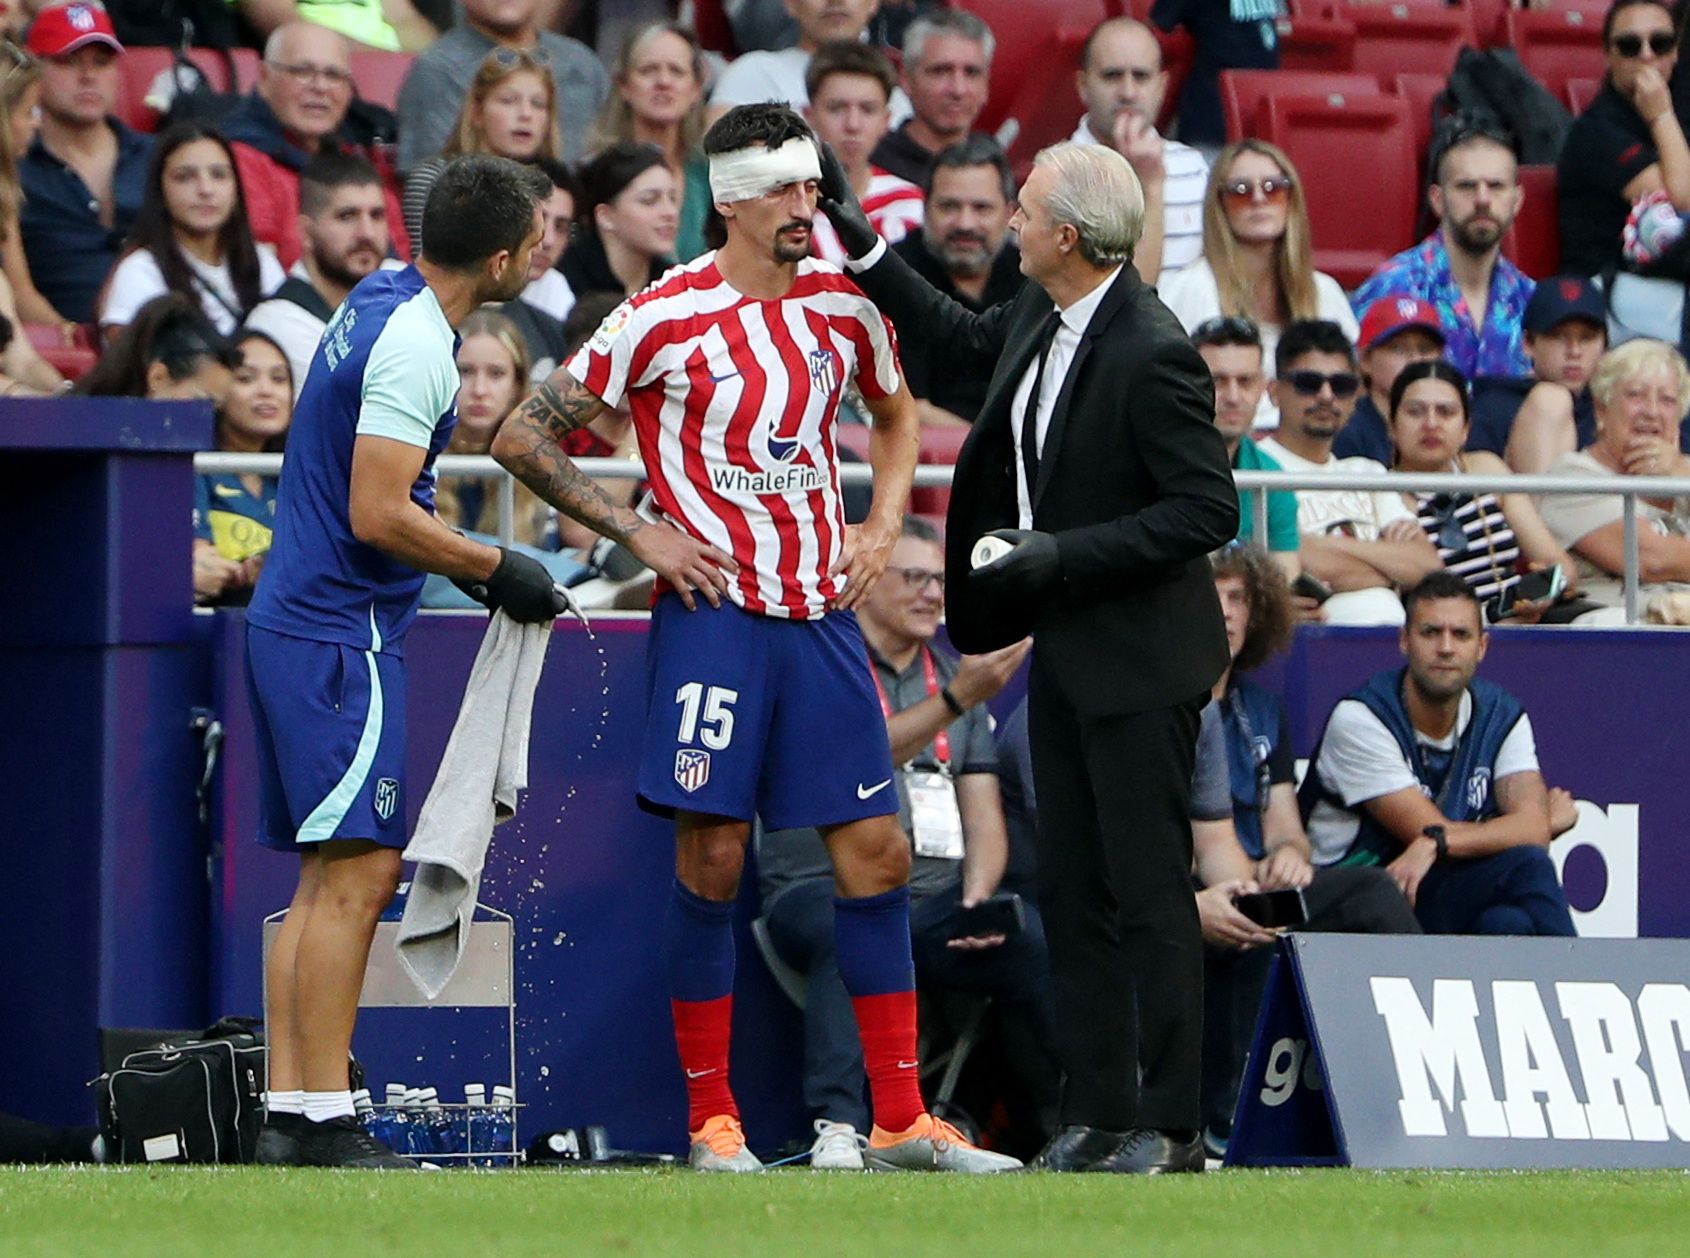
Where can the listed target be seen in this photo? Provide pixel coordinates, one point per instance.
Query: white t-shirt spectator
(1361, 514)
(1194, 297)
(755, 77)
(551, 294)
(1185, 177)
(137, 280)
(1360, 760)
(895, 208)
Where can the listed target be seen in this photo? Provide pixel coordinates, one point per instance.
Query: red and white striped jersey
(895, 207)
(735, 402)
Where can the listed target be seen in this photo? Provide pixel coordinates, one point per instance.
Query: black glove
(1032, 569)
(843, 209)
(520, 587)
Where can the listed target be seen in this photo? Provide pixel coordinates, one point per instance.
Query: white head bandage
(752, 171)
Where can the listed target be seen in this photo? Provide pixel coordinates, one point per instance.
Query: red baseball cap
(1397, 313)
(62, 29)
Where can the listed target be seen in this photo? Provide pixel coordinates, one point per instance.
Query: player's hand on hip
(683, 561)
(867, 549)
(521, 587)
(842, 208)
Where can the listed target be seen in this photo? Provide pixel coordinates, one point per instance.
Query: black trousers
(1126, 952)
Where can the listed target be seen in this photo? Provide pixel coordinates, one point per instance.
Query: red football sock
(701, 1034)
(886, 1026)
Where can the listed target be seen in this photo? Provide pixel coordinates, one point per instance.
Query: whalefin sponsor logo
(799, 478)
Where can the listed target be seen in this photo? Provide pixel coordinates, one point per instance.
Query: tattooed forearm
(557, 413)
(538, 463)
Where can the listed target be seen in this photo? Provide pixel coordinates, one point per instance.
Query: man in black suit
(1109, 501)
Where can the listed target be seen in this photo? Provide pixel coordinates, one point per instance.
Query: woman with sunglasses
(626, 222)
(1256, 254)
(1487, 539)
(192, 237)
(657, 98)
(510, 111)
(1628, 145)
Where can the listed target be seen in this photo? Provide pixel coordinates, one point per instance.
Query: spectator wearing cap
(85, 175)
(1533, 421)
(296, 110)
(1232, 347)
(1122, 82)
(439, 81)
(1480, 296)
(1395, 330)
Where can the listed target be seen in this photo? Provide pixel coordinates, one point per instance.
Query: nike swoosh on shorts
(867, 792)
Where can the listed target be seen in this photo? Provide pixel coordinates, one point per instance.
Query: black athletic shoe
(342, 1142)
(278, 1140)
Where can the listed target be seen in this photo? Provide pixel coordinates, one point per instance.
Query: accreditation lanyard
(930, 674)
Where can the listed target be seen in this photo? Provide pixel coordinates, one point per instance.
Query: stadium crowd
(202, 255)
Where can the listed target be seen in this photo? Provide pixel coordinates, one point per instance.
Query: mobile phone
(1275, 909)
(1001, 914)
(1546, 584)
(1308, 586)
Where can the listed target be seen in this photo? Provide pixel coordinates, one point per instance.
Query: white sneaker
(838, 1147)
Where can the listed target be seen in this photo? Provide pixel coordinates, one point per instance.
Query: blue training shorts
(329, 722)
(752, 715)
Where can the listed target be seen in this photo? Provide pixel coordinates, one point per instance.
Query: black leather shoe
(1077, 1149)
(1146, 1151)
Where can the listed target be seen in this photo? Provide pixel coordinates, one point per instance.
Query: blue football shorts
(329, 722)
(753, 715)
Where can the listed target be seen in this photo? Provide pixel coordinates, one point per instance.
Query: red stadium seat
(1242, 93)
(1579, 93)
(940, 443)
(71, 361)
(1556, 44)
(1045, 107)
(379, 75)
(140, 66)
(1420, 91)
(1038, 50)
(1399, 38)
(1317, 43)
(1360, 212)
(1533, 243)
(245, 61)
(1487, 20)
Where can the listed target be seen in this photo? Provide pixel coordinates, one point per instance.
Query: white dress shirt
(1075, 320)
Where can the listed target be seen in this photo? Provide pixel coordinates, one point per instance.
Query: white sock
(321, 1107)
(291, 1102)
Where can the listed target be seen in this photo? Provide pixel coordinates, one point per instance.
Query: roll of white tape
(989, 550)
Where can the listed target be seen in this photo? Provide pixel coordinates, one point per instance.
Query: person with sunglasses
(1489, 540)
(438, 82)
(297, 110)
(1628, 144)
(1478, 295)
(1256, 255)
(1348, 542)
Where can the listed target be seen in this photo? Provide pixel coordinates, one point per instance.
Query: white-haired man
(1096, 472)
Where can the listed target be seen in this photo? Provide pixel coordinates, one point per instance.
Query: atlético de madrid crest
(692, 769)
(824, 371)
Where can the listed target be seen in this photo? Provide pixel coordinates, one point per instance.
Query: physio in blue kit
(355, 532)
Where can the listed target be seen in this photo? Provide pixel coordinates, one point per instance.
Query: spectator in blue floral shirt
(1480, 296)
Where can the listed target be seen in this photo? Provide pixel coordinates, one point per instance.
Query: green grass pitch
(181, 1212)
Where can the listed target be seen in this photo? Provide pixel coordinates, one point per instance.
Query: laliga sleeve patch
(611, 328)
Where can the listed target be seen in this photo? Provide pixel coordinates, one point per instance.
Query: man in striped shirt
(1122, 82)
(761, 702)
(850, 87)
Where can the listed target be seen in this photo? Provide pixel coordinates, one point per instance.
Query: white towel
(475, 788)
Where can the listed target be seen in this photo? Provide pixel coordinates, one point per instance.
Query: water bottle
(473, 1129)
(364, 1110)
(436, 1127)
(416, 1125)
(390, 1128)
(501, 1126)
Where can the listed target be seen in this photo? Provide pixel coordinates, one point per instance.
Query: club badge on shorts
(692, 769)
(387, 798)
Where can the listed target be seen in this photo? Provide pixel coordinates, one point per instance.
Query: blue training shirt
(386, 367)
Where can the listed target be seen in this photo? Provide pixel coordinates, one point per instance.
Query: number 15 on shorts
(706, 717)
